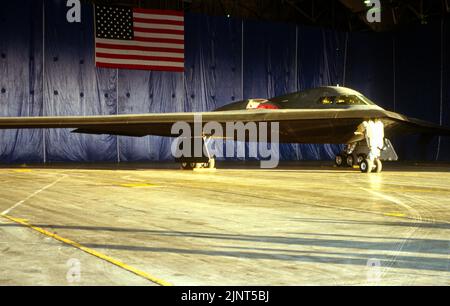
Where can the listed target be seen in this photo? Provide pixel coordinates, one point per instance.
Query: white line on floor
(6, 212)
(416, 215)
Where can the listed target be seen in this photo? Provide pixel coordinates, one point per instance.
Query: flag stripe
(138, 62)
(158, 17)
(159, 40)
(140, 67)
(137, 52)
(139, 57)
(156, 35)
(118, 47)
(159, 12)
(113, 61)
(158, 26)
(159, 31)
(157, 21)
(141, 43)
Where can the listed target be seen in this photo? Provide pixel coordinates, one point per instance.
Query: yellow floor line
(90, 251)
(23, 170)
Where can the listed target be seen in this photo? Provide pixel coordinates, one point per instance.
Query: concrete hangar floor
(301, 224)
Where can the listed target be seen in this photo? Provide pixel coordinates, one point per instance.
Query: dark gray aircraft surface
(325, 115)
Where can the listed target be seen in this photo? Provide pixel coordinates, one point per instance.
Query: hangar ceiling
(349, 15)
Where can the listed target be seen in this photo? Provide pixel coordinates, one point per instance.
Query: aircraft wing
(296, 125)
(405, 125)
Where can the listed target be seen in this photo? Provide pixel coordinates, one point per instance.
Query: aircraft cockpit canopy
(348, 100)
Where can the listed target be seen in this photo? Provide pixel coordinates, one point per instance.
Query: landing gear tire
(186, 166)
(378, 166)
(366, 166)
(339, 161)
(360, 159)
(211, 164)
(350, 161)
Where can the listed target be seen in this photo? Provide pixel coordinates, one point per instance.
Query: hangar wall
(47, 68)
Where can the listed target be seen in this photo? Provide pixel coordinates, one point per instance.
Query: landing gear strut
(373, 131)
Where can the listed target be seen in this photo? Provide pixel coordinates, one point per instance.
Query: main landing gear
(366, 165)
(206, 161)
(345, 160)
(369, 153)
(210, 164)
(369, 166)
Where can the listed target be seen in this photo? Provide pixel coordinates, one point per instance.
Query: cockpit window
(345, 100)
(349, 100)
(327, 100)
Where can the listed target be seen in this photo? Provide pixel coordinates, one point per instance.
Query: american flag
(132, 38)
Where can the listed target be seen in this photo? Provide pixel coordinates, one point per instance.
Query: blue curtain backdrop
(47, 68)
(21, 80)
(73, 87)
